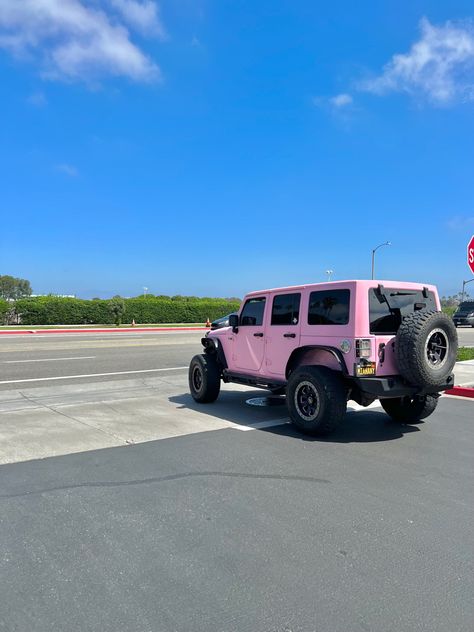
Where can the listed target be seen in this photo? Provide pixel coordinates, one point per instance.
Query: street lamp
(386, 243)
(464, 283)
(145, 290)
(329, 273)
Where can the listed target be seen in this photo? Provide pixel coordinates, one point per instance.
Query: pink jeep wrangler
(326, 343)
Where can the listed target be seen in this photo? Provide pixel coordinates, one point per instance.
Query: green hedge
(51, 310)
(449, 310)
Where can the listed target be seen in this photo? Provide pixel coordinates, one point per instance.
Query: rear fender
(316, 355)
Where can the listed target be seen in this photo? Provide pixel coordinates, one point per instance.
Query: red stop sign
(470, 254)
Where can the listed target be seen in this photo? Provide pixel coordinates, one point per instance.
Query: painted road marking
(259, 425)
(48, 360)
(75, 377)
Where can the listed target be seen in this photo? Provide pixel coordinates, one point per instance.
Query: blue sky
(215, 147)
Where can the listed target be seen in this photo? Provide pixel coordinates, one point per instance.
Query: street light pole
(464, 283)
(386, 243)
(145, 289)
(329, 273)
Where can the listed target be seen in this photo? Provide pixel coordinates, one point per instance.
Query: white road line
(259, 424)
(75, 377)
(47, 360)
(353, 408)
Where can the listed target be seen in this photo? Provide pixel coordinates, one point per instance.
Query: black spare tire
(426, 346)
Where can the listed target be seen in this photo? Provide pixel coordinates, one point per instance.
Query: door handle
(258, 335)
(289, 335)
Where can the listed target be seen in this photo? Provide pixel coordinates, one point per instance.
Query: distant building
(55, 295)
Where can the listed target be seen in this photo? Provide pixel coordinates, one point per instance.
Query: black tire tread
(411, 362)
(211, 378)
(405, 410)
(335, 403)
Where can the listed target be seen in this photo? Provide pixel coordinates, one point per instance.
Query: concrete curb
(17, 332)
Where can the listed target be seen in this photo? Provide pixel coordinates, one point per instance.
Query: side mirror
(234, 322)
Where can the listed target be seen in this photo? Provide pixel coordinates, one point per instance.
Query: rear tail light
(363, 348)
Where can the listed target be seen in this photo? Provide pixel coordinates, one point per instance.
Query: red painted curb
(461, 391)
(17, 332)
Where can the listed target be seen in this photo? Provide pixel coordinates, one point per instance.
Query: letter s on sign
(471, 255)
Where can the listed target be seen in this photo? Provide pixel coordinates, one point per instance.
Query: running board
(250, 380)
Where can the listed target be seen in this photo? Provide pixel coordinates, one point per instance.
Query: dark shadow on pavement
(362, 426)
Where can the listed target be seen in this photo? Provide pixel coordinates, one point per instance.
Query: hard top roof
(365, 283)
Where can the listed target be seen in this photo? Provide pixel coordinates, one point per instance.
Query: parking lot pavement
(46, 421)
(126, 506)
(370, 529)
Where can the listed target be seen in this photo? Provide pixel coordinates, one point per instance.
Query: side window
(329, 307)
(286, 309)
(252, 314)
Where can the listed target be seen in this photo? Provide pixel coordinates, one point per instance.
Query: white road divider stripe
(75, 377)
(259, 424)
(47, 360)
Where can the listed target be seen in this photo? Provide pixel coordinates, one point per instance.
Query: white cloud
(439, 66)
(341, 100)
(75, 40)
(143, 16)
(69, 170)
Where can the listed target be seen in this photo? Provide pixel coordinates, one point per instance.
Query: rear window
(388, 309)
(329, 307)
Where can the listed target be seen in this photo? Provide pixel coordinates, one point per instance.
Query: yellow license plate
(364, 370)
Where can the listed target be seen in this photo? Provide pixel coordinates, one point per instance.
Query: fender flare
(300, 351)
(214, 346)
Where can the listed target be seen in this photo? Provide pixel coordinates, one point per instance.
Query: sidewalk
(464, 373)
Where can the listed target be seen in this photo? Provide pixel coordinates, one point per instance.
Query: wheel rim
(197, 378)
(436, 348)
(307, 401)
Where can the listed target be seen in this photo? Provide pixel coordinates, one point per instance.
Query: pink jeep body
(339, 325)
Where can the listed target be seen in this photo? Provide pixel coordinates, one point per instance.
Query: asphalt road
(27, 359)
(186, 521)
(36, 357)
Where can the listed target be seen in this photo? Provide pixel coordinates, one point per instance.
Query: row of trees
(53, 310)
(455, 299)
(12, 288)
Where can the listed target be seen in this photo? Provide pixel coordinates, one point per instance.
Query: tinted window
(329, 307)
(465, 308)
(252, 314)
(388, 310)
(286, 309)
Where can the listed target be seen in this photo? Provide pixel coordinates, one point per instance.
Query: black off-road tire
(325, 396)
(204, 378)
(406, 410)
(421, 336)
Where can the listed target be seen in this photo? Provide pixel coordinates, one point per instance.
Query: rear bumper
(395, 386)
